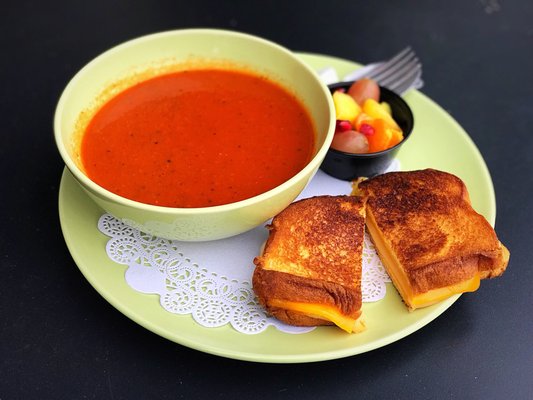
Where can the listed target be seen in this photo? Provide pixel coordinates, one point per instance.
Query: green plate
(437, 142)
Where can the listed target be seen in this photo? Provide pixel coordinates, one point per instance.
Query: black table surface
(60, 339)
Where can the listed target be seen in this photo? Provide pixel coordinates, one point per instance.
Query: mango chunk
(346, 108)
(376, 110)
(397, 137)
(387, 107)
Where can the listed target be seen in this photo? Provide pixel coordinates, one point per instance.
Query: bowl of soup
(195, 134)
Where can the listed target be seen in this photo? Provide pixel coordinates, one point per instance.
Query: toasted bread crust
(313, 255)
(283, 286)
(427, 221)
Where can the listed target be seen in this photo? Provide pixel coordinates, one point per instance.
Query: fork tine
(399, 83)
(390, 63)
(398, 72)
(402, 85)
(401, 66)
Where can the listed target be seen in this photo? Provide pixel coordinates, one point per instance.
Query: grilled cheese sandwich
(429, 238)
(310, 270)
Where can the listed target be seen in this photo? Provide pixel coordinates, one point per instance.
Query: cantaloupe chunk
(381, 138)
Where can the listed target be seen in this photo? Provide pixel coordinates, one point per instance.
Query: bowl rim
(407, 134)
(313, 164)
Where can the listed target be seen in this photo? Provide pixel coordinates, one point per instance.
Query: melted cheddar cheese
(324, 312)
(397, 274)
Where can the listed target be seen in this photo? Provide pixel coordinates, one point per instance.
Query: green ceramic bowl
(163, 51)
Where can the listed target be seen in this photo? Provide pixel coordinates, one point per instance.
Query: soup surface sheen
(198, 138)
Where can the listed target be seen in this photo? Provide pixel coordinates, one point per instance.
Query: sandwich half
(310, 270)
(431, 241)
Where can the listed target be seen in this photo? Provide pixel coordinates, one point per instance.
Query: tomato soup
(198, 138)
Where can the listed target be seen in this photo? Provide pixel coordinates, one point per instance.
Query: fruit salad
(364, 124)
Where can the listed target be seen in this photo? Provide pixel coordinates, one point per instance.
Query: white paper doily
(211, 281)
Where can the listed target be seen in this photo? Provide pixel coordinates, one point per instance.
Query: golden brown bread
(423, 222)
(313, 258)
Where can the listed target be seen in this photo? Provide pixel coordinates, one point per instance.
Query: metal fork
(399, 74)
